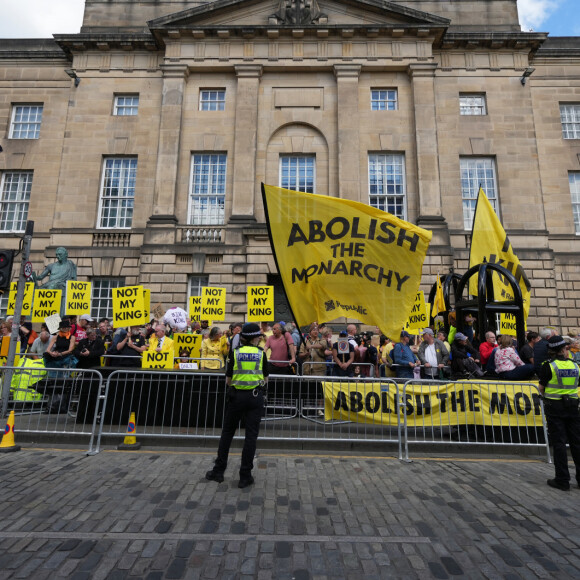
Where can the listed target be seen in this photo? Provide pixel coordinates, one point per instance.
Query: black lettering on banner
(258, 291)
(458, 399)
(341, 403)
(442, 401)
(260, 312)
(372, 402)
(527, 406)
(473, 400)
(537, 404)
(409, 407)
(423, 404)
(125, 292)
(121, 316)
(499, 403)
(356, 401)
(386, 402)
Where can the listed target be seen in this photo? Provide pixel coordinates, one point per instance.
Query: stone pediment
(292, 13)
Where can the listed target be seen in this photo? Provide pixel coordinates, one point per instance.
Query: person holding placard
(130, 346)
(213, 348)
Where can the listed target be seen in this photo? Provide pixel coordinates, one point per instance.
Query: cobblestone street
(150, 514)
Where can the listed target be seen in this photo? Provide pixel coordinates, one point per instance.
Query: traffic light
(6, 258)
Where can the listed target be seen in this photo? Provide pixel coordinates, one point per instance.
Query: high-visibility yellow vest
(248, 372)
(564, 381)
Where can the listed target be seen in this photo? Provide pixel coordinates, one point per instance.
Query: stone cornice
(72, 43)
(493, 40)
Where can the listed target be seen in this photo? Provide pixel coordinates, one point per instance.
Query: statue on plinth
(59, 272)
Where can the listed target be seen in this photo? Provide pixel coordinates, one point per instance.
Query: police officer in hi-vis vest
(559, 378)
(246, 377)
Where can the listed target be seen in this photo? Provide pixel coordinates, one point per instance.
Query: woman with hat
(59, 353)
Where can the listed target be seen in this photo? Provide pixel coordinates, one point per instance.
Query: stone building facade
(141, 142)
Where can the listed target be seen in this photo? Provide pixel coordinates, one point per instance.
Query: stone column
(245, 143)
(174, 81)
(427, 152)
(348, 130)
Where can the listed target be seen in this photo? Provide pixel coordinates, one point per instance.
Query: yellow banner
(482, 403)
(195, 308)
(489, 242)
(439, 300)
(157, 360)
(78, 298)
(189, 342)
(26, 301)
(213, 303)
(339, 258)
(46, 303)
(128, 307)
(507, 324)
(260, 303)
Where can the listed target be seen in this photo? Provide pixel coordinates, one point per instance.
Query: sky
(43, 18)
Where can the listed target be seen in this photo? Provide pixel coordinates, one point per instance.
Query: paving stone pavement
(151, 515)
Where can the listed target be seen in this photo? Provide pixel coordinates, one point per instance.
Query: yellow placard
(189, 342)
(146, 305)
(78, 298)
(26, 301)
(46, 303)
(157, 360)
(260, 303)
(128, 307)
(195, 308)
(507, 324)
(418, 319)
(213, 303)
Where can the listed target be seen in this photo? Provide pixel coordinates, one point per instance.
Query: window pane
(574, 178)
(126, 105)
(383, 99)
(472, 105)
(26, 120)
(14, 201)
(117, 193)
(212, 100)
(297, 172)
(387, 190)
(208, 189)
(476, 172)
(570, 116)
(102, 302)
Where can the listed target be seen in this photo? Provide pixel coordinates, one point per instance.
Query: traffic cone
(8, 444)
(130, 441)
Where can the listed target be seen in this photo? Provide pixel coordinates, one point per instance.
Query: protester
(104, 332)
(89, 350)
(442, 336)
(464, 358)
(59, 353)
(236, 329)
(160, 342)
(508, 364)
(246, 378)
(80, 331)
(486, 348)
(404, 357)
(559, 378)
(40, 345)
(129, 348)
(433, 355)
(313, 351)
(213, 348)
(386, 362)
(176, 318)
(343, 356)
(541, 347)
(527, 351)
(283, 352)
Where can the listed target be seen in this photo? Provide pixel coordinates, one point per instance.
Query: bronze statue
(60, 271)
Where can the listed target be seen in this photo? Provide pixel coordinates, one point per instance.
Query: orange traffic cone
(130, 441)
(8, 444)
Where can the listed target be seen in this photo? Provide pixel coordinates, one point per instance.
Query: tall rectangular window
(26, 120)
(387, 187)
(383, 99)
(477, 172)
(4, 304)
(574, 178)
(196, 284)
(126, 105)
(570, 117)
(298, 172)
(102, 301)
(208, 188)
(15, 191)
(117, 192)
(212, 100)
(470, 104)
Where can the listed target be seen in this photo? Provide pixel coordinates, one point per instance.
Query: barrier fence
(180, 405)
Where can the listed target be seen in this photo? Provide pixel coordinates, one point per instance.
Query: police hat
(556, 342)
(250, 330)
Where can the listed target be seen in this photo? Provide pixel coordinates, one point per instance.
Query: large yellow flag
(489, 242)
(343, 258)
(439, 300)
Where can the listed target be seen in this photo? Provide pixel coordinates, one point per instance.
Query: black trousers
(242, 403)
(563, 427)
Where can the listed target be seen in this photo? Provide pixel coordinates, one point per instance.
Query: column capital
(249, 70)
(174, 71)
(422, 69)
(347, 70)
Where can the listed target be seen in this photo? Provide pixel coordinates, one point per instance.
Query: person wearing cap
(433, 355)
(247, 379)
(81, 328)
(404, 357)
(464, 358)
(559, 378)
(60, 349)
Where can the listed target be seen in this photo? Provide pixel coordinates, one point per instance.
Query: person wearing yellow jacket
(159, 342)
(213, 348)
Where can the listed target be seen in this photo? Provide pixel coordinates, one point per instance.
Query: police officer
(559, 377)
(246, 377)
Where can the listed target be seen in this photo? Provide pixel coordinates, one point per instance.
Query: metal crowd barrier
(473, 412)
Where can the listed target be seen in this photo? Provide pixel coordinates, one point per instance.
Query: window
(4, 304)
(214, 100)
(126, 105)
(117, 193)
(298, 172)
(208, 188)
(26, 121)
(574, 178)
(570, 116)
(387, 188)
(102, 301)
(472, 105)
(476, 172)
(383, 99)
(196, 284)
(15, 199)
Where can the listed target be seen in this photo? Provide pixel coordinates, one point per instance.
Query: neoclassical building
(140, 143)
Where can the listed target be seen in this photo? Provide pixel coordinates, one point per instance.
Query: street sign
(27, 269)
